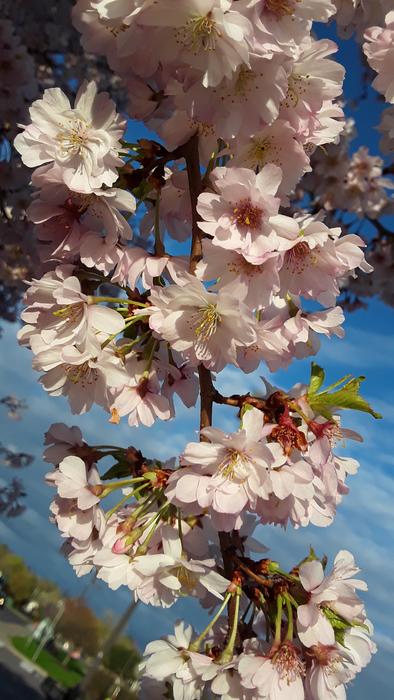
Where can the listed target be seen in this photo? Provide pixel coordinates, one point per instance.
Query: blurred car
(3, 591)
(53, 691)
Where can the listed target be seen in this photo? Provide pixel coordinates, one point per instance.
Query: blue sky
(365, 520)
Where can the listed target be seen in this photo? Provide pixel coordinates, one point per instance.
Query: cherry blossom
(62, 442)
(86, 377)
(60, 314)
(140, 398)
(229, 472)
(379, 51)
(243, 215)
(203, 326)
(336, 591)
(169, 658)
(72, 481)
(207, 34)
(83, 141)
(279, 675)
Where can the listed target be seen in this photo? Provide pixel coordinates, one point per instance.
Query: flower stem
(116, 300)
(228, 651)
(150, 357)
(152, 523)
(289, 611)
(125, 482)
(126, 497)
(195, 645)
(278, 623)
(129, 323)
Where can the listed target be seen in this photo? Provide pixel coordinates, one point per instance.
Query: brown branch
(239, 400)
(192, 157)
(207, 390)
(266, 582)
(207, 393)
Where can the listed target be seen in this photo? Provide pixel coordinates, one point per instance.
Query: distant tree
(122, 658)
(80, 626)
(20, 581)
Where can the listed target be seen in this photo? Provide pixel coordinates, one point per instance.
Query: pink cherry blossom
(66, 136)
(169, 659)
(201, 325)
(228, 473)
(61, 441)
(379, 51)
(135, 263)
(61, 314)
(97, 211)
(243, 213)
(72, 481)
(86, 377)
(74, 521)
(336, 665)
(318, 259)
(139, 398)
(159, 579)
(208, 34)
(278, 676)
(285, 23)
(254, 284)
(275, 144)
(336, 591)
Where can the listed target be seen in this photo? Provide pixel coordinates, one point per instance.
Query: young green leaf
(326, 402)
(317, 379)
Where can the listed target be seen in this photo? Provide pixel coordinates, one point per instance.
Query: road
(16, 682)
(18, 679)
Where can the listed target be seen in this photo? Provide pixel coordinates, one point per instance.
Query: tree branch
(195, 187)
(208, 393)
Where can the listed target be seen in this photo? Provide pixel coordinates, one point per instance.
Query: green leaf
(340, 637)
(119, 469)
(335, 396)
(317, 378)
(336, 621)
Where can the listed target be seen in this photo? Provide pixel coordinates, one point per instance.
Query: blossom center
(247, 214)
(186, 578)
(244, 81)
(297, 258)
(83, 374)
(297, 86)
(260, 150)
(234, 466)
(240, 266)
(71, 312)
(288, 664)
(281, 8)
(208, 319)
(327, 656)
(74, 137)
(200, 33)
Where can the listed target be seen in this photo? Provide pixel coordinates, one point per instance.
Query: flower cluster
(315, 651)
(240, 94)
(284, 471)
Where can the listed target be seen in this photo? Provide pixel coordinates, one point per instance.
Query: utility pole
(79, 692)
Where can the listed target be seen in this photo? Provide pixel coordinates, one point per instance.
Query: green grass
(65, 677)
